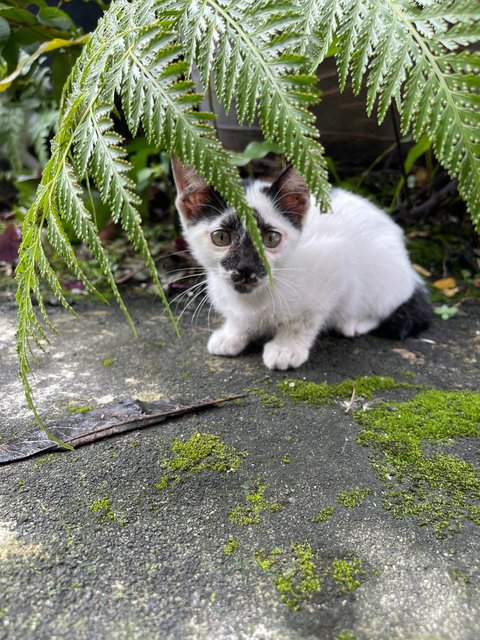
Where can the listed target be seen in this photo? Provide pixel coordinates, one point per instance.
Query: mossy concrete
(91, 548)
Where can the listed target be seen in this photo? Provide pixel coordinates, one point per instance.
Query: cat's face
(219, 240)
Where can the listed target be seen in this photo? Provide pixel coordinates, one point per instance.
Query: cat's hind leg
(358, 327)
(229, 340)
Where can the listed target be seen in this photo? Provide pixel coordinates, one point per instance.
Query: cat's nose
(245, 274)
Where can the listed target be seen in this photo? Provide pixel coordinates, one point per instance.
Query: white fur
(346, 270)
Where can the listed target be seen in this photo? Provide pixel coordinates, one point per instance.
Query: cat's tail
(409, 319)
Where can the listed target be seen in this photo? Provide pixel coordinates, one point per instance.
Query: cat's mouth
(245, 284)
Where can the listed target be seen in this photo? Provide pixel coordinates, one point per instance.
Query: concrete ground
(91, 548)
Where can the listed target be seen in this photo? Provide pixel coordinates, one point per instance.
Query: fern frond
(250, 51)
(411, 53)
(138, 56)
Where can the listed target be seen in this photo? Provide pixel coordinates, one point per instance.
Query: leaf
(254, 151)
(89, 426)
(415, 152)
(250, 51)
(422, 271)
(45, 47)
(445, 283)
(4, 31)
(54, 17)
(445, 312)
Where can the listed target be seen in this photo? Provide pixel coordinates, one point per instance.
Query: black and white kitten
(347, 270)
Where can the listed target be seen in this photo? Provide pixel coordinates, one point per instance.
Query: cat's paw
(226, 343)
(281, 356)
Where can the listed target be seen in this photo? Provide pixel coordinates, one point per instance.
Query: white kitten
(347, 270)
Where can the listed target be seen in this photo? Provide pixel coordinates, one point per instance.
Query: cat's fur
(347, 270)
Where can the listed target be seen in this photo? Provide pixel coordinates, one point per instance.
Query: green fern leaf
(255, 63)
(411, 53)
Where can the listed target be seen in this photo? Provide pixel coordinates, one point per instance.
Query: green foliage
(30, 89)
(259, 57)
(413, 54)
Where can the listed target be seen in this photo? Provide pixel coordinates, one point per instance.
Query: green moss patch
(353, 498)
(296, 575)
(74, 409)
(231, 546)
(439, 489)
(299, 573)
(347, 573)
(317, 394)
(323, 515)
(268, 399)
(201, 452)
(103, 508)
(251, 513)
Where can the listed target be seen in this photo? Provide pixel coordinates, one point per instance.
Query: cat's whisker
(190, 302)
(285, 283)
(173, 254)
(188, 293)
(198, 310)
(289, 269)
(192, 271)
(191, 276)
(208, 316)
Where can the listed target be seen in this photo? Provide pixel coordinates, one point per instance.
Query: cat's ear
(291, 195)
(194, 197)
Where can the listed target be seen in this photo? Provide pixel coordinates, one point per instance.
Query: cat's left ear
(291, 195)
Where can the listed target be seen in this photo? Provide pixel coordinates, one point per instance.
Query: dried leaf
(79, 429)
(422, 271)
(445, 283)
(409, 356)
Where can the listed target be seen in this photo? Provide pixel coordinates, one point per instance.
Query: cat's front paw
(226, 343)
(281, 356)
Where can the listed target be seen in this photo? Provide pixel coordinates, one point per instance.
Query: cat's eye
(271, 239)
(221, 238)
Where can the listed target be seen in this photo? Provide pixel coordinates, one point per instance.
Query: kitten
(347, 270)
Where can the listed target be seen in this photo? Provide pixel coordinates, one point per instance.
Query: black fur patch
(243, 259)
(203, 204)
(272, 193)
(409, 319)
(232, 223)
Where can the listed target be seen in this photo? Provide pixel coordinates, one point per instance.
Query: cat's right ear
(291, 196)
(194, 196)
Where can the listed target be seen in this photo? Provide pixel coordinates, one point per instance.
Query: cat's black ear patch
(290, 195)
(195, 199)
